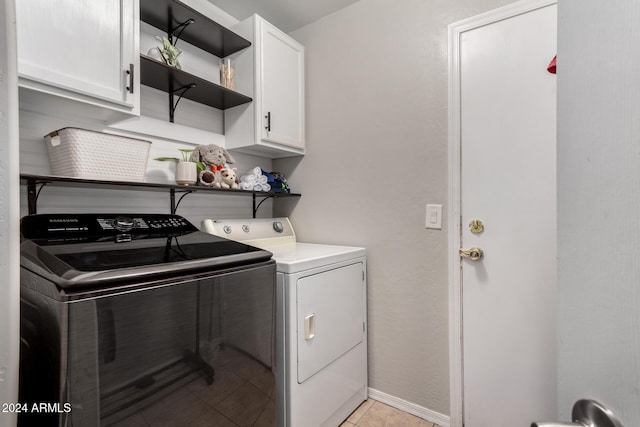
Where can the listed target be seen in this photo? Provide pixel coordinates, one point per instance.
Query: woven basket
(81, 153)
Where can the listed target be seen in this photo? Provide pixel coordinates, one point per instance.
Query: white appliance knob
(278, 227)
(226, 229)
(246, 228)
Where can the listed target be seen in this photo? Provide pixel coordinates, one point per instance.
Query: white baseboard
(411, 408)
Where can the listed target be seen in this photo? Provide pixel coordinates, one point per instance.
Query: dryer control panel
(254, 229)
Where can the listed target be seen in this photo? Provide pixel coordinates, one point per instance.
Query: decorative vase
(155, 53)
(186, 173)
(227, 74)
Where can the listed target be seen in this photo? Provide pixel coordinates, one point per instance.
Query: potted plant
(186, 170)
(169, 53)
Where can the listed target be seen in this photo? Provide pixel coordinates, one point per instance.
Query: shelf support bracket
(172, 106)
(255, 208)
(180, 27)
(172, 201)
(32, 195)
(175, 208)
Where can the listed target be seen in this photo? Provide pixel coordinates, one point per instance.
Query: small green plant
(186, 154)
(169, 53)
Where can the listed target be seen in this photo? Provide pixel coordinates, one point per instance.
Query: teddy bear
(214, 159)
(228, 178)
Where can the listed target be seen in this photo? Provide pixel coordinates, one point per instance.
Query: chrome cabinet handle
(474, 254)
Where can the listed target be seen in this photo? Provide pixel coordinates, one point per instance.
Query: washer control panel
(67, 225)
(144, 223)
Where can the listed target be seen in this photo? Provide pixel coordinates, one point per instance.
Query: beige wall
(376, 100)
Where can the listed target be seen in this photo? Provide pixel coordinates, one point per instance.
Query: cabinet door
(282, 87)
(85, 47)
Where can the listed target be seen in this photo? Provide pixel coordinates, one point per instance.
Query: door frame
(9, 213)
(455, 31)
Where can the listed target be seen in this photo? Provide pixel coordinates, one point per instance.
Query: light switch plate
(434, 217)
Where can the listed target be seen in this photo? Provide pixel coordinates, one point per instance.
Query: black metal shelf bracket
(172, 106)
(180, 27)
(173, 39)
(255, 208)
(180, 199)
(173, 205)
(33, 194)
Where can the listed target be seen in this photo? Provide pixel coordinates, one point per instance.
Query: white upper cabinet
(281, 87)
(272, 72)
(82, 50)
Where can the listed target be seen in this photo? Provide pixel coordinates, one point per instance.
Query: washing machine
(123, 315)
(321, 321)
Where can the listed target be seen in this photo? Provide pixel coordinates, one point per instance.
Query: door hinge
(363, 275)
(363, 327)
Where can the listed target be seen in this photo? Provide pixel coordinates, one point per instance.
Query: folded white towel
(254, 181)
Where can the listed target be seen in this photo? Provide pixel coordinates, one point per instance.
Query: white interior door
(507, 180)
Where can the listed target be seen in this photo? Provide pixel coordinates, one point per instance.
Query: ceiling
(288, 15)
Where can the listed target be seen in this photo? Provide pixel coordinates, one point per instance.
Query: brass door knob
(476, 226)
(474, 254)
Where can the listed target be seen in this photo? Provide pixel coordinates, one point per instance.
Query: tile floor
(376, 414)
(242, 395)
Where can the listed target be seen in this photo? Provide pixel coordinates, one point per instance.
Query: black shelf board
(203, 33)
(168, 79)
(66, 181)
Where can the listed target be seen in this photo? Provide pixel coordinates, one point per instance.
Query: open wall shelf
(35, 181)
(208, 35)
(169, 79)
(180, 21)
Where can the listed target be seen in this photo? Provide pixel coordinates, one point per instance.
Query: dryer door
(330, 316)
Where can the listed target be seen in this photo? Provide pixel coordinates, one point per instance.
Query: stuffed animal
(228, 178)
(214, 159)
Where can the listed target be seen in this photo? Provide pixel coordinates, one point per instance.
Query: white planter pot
(186, 173)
